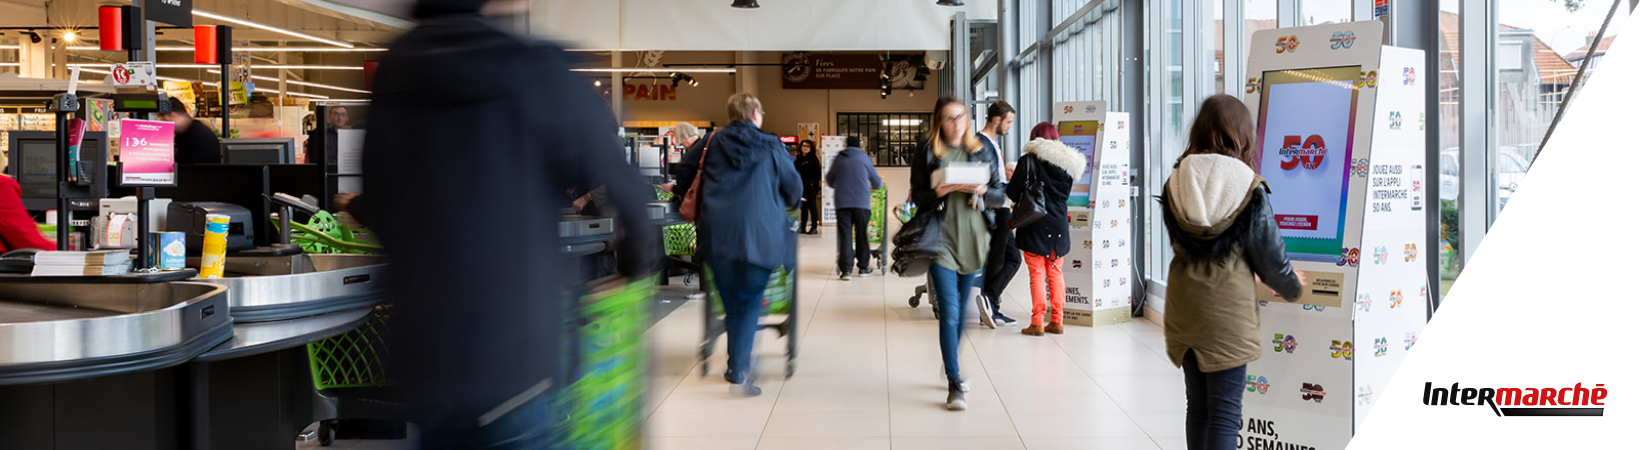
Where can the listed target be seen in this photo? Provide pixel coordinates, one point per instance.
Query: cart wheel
(915, 300)
(689, 279)
(327, 432)
(791, 368)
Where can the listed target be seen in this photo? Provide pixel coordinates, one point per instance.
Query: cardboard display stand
(830, 146)
(1341, 143)
(1099, 267)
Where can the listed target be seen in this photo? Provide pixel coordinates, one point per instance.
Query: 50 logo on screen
(1343, 39)
(1303, 151)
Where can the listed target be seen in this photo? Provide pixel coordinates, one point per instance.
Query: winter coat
(749, 186)
(17, 229)
(852, 178)
(481, 318)
(808, 167)
(1223, 232)
(1056, 166)
(923, 165)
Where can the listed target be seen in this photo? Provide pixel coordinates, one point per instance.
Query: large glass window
(1446, 105)
(1166, 140)
(1317, 12)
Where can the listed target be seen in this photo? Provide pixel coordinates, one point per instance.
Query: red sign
(1292, 222)
(1309, 155)
(788, 139)
(649, 92)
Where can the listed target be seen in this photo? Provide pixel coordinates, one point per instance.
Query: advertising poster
(1082, 135)
(1112, 219)
(1305, 141)
(830, 146)
(147, 153)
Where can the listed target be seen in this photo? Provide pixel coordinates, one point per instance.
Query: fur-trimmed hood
(1057, 153)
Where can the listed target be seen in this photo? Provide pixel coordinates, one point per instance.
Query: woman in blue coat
(744, 235)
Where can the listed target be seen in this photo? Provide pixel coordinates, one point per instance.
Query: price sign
(147, 153)
(136, 73)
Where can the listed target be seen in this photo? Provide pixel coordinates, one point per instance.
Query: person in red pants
(17, 229)
(1055, 166)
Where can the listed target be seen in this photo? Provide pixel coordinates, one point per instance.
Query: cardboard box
(962, 173)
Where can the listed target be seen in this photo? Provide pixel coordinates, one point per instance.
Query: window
(890, 138)
(1446, 104)
(1317, 12)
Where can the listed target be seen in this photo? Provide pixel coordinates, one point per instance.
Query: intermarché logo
(1516, 402)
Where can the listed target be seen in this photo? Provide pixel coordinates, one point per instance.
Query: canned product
(168, 250)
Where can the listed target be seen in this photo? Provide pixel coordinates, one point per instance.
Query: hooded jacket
(808, 167)
(482, 317)
(1056, 166)
(1223, 232)
(852, 178)
(749, 185)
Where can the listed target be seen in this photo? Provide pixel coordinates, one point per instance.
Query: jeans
(741, 286)
(1003, 262)
(851, 226)
(950, 289)
(1047, 284)
(1212, 418)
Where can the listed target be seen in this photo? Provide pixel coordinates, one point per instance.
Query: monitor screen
(1082, 135)
(37, 168)
(259, 151)
(1305, 137)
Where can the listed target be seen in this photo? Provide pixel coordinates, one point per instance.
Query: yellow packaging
(215, 246)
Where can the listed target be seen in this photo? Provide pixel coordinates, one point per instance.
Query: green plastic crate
(357, 358)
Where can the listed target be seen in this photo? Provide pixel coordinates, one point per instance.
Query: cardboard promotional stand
(1099, 267)
(830, 147)
(1341, 144)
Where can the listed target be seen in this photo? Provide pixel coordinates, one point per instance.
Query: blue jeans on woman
(950, 288)
(1212, 419)
(740, 285)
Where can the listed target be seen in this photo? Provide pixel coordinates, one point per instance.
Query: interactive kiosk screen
(1306, 132)
(1082, 135)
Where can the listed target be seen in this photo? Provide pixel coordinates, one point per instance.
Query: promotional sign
(1346, 190)
(853, 71)
(1099, 267)
(173, 12)
(830, 146)
(134, 73)
(147, 153)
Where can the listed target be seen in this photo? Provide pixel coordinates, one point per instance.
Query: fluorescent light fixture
(239, 49)
(301, 83)
(248, 23)
(6, 64)
(656, 69)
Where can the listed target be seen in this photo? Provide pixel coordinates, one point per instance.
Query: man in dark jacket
(808, 167)
(1004, 260)
(744, 234)
(852, 178)
(480, 322)
(195, 143)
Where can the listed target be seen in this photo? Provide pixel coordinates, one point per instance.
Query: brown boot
(1055, 328)
(1033, 330)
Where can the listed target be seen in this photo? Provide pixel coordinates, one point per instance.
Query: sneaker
(954, 400)
(747, 389)
(697, 296)
(986, 316)
(1005, 320)
(865, 271)
(843, 276)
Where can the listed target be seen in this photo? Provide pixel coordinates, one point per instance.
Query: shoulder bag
(1032, 204)
(689, 211)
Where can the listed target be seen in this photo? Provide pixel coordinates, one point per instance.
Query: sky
(1563, 31)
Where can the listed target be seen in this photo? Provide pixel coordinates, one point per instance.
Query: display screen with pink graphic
(147, 153)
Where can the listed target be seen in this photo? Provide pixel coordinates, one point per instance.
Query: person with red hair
(1045, 130)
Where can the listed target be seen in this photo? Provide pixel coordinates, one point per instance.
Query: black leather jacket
(923, 165)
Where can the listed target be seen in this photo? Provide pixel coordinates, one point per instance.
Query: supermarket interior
(267, 224)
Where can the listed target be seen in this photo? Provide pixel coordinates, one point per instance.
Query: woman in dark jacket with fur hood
(1045, 241)
(1225, 240)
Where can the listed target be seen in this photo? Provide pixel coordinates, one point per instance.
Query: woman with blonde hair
(965, 225)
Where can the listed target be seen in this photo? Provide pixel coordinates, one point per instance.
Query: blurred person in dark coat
(808, 167)
(744, 234)
(481, 319)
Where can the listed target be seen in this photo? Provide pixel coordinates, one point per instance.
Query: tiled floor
(869, 377)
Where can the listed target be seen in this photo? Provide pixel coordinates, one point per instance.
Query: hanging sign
(173, 12)
(147, 153)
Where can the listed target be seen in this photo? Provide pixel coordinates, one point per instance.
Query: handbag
(689, 211)
(918, 242)
(1032, 204)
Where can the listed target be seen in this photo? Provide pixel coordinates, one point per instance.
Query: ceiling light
(235, 20)
(32, 36)
(247, 49)
(746, 4)
(69, 36)
(598, 83)
(949, 3)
